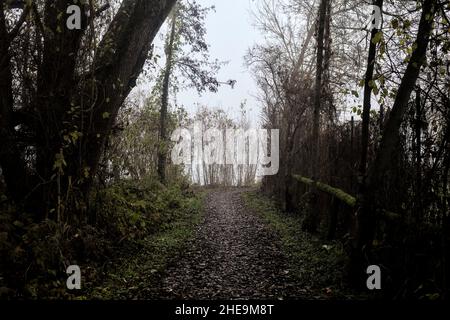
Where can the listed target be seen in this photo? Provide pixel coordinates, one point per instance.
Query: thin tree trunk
(162, 152)
(11, 162)
(367, 101)
(310, 222)
(381, 123)
(446, 226)
(318, 89)
(445, 210)
(368, 88)
(333, 219)
(383, 164)
(418, 211)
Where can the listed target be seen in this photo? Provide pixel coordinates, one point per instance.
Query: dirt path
(234, 255)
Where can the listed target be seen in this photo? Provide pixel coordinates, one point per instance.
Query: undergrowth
(136, 273)
(125, 217)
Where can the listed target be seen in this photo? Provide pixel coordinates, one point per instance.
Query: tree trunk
(119, 59)
(367, 102)
(418, 210)
(162, 151)
(310, 221)
(333, 219)
(318, 90)
(445, 208)
(365, 134)
(446, 225)
(11, 161)
(382, 167)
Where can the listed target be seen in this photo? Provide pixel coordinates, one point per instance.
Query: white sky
(230, 33)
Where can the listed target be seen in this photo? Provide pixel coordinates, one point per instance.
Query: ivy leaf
(60, 162)
(377, 38)
(86, 172)
(394, 23)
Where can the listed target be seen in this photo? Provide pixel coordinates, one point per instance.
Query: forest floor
(239, 247)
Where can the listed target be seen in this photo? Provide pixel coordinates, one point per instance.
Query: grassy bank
(135, 274)
(319, 265)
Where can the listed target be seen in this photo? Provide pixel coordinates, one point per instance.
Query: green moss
(338, 193)
(343, 196)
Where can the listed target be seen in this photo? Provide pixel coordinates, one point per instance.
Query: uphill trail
(233, 255)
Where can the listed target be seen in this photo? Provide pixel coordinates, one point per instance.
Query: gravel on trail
(234, 255)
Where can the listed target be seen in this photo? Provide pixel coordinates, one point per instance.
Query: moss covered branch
(341, 195)
(335, 192)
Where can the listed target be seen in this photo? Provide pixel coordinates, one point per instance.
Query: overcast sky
(230, 34)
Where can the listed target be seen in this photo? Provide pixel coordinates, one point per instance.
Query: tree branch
(15, 31)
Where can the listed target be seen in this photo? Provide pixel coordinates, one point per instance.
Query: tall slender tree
(310, 222)
(382, 167)
(187, 61)
(169, 51)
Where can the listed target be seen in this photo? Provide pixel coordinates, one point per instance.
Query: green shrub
(34, 255)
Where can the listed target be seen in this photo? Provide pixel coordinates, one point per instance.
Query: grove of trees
(363, 112)
(380, 184)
